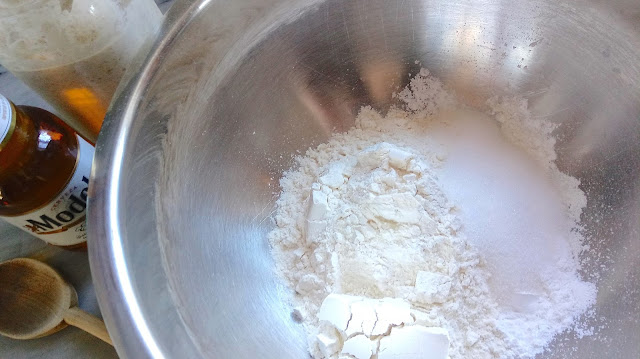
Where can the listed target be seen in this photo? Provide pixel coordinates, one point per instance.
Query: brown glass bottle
(39, 160)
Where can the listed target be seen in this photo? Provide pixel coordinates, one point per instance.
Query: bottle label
(62, 221)
(7, 120)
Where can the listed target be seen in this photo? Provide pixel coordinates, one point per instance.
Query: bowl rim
(121, 310)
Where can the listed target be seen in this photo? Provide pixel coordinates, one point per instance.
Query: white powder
(534, 136)
(383, 328)
(427, 204)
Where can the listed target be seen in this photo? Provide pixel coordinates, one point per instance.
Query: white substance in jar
(465, 220)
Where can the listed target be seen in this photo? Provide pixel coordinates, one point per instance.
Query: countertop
(74, 266)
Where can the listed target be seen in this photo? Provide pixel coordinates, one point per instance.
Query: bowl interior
(235, 91)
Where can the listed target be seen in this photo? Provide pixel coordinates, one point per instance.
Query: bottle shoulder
(37, 162)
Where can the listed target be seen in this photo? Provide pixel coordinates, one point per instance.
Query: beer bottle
(44, 175)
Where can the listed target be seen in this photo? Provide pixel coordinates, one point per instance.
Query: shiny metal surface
(232, 90)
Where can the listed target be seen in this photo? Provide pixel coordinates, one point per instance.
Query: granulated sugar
(513, 214)
(465, 220)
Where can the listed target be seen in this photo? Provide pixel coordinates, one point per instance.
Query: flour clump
(379, 256)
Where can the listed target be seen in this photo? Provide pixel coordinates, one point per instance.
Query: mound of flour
(387, 210)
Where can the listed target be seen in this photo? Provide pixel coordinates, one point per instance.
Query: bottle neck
(7, 120)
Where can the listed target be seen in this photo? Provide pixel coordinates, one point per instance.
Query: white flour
(427, 204)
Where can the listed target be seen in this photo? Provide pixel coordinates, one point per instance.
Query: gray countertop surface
(74, 266)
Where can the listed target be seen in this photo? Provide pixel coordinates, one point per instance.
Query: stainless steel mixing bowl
(188, 162)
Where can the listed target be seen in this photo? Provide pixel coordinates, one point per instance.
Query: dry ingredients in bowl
(432, 232)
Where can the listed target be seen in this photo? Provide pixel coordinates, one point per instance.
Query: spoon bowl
(36, 301)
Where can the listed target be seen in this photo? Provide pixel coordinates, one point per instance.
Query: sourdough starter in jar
(74, 52)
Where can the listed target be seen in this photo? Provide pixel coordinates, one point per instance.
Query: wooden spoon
(36, 301)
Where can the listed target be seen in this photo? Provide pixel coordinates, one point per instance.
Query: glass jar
(74, 52)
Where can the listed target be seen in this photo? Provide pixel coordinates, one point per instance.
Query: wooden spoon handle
(87, 322)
